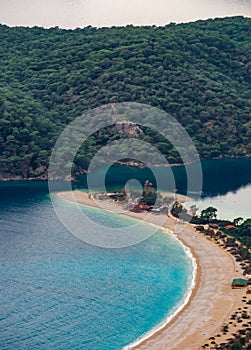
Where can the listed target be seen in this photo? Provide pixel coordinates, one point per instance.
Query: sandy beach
(212, 301)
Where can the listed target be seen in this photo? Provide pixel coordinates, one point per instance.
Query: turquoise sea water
(56, 292)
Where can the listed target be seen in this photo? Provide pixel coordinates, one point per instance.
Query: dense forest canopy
(198, 72)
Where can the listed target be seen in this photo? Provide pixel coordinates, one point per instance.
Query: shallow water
(58, 292)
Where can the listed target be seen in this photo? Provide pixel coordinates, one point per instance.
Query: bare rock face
(127, 127)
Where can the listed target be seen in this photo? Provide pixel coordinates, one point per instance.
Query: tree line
(198, 72)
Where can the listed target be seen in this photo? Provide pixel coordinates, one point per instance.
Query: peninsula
(205, 320)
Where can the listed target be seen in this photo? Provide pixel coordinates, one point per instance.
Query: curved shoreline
(211, 300)
(186, 299)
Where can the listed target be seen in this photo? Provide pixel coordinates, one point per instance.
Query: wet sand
(212, 300)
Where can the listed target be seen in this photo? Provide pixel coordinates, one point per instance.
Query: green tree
(238, 221)
(176, 209)
(209, 213)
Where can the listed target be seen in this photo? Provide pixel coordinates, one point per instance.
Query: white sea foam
(186, 297)
(180, 306)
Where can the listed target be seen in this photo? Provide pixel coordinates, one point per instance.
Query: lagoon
(58, 292)
(226, 184)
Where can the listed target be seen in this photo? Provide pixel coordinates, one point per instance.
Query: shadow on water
(225, 175)
(219, 176)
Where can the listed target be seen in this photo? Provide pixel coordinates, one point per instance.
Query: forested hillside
(198, 72)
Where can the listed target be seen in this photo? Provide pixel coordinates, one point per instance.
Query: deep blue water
(227, 187)
(56, 292)
(226, 184)
(219, 176)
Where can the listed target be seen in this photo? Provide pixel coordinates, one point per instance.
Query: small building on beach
(116, 196)
(213, 226)
(141, 207)
(155, 211)
(230, 227)
(239, 283)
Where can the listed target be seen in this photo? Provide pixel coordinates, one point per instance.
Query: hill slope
(198, 72)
